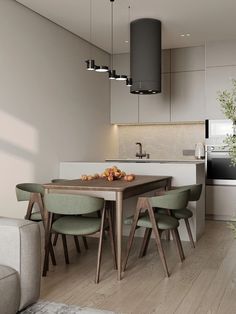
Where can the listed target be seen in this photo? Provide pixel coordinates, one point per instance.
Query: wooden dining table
(117, 191)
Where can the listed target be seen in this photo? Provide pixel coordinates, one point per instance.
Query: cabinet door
(188, 59)
(156, 108)
(217, 79)
(221, 53)
(124, 105)
(187, 96)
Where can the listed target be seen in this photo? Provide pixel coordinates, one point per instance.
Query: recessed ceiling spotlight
(126, 41)
(182, 35)
(188, 35)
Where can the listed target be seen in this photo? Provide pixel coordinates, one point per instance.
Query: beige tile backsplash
(160, 141)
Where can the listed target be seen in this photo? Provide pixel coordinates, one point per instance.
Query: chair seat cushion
(182, 213)
(36, 216)
(76, 225)
(164, 222)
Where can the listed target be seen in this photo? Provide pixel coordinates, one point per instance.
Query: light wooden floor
(204, 283)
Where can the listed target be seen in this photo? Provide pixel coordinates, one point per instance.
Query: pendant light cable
(112, 72)
(129, 79)
(90, 62)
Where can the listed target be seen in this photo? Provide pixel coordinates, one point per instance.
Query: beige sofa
(19, 264)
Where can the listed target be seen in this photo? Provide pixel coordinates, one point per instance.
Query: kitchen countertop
(162, 161)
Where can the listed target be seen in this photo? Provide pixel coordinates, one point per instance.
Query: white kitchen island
(182, 172)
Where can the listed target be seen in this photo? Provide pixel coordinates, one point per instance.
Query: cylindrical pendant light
(145, 56)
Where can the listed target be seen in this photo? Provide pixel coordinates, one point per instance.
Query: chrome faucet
(140, 154)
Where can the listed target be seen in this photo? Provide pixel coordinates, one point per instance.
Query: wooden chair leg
(178, 244)
(145, 243)
(29, 209)
(112, 240)
(158, 240)
(189, 232)
(168, 235)
(55, 239)
(47, 246)
(132, 232)
(85, 243)
(77, 244)
(65, 249)
(51, 251)
(99, 257)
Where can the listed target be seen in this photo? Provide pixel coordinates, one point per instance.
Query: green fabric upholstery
(36, 216)
(183, 213)
(23, 190)
(129, 220)
(164, 222)
(76, 225)
(171, 200)
(195, 191)
(71, 204)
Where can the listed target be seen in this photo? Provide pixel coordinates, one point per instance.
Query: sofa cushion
(21, 240)
(9, 290)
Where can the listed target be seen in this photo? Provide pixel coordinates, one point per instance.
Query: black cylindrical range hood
(145, 56)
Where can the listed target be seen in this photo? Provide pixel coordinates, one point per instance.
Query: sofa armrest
(20, 249)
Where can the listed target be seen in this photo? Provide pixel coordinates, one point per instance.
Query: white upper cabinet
(156, 108)
(187, 96)
(217, 80)
(221, 53)
(188, 59)
(220, 70)
(188, 84)
(130, 108)
(124, 105)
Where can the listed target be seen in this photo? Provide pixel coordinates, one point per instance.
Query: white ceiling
(202, 19)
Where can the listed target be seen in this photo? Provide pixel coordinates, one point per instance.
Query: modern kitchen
(99, 96)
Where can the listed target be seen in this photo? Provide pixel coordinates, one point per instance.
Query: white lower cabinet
(221, 202)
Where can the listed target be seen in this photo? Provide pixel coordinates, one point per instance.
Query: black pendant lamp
(145, 56)
(101, 68)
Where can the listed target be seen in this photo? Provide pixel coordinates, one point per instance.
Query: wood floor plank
(204, 283)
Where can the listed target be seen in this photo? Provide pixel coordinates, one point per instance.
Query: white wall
(51, 108)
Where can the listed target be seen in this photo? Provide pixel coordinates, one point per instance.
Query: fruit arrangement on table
(110, 174)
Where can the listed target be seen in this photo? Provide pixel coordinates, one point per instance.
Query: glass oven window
(219, 167)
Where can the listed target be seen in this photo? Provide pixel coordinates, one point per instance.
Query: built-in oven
(219, 170)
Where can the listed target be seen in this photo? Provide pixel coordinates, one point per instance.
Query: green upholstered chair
(185, 213)
(146, 217)
(73, 207)
(33, 193)
(75, 237)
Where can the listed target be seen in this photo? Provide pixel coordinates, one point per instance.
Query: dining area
(93, 210)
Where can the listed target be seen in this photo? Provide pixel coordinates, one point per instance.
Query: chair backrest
(177, 200)
(195, 191)
(24, 190)
(71, 204)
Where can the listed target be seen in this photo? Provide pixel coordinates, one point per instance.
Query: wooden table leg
(119, 232)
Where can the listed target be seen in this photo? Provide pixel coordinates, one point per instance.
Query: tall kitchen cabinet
(220, 70)
(130, 108)
(183, 90)
(188, 84)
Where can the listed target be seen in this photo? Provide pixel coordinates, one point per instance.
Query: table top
(102, 184)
